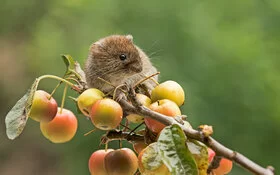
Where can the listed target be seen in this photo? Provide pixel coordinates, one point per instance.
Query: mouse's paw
(119, 93)
(119, 96)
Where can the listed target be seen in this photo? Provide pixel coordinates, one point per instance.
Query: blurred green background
(224, 53)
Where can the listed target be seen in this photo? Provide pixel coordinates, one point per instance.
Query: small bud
(206, 130)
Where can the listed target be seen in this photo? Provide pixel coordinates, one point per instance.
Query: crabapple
(62, 128)
(106, 114)
(211, 154)
(43, 107)
(169, 90)
(121, 162)
(96, 162)
(225, 164)
(166, 107)
(139, 146)
(87, 99)
(224, 168)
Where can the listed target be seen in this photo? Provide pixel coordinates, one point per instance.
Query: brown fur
(104, 61)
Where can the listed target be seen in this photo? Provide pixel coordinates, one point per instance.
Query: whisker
(154, 53)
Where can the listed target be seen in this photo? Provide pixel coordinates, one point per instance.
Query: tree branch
(120, 135)
(220, 149)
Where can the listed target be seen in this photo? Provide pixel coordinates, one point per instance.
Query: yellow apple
(169, 90)
(43, 109)
(87, 99)
(106, 114)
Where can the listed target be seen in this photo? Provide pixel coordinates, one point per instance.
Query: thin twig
(126, 127)
(75, 80)
(154, 80)
(116, 87)
(136, 128)
(119, 135)
(107, 82)
(146, 78)
(54, 90)
(63, 98)
(91, 131)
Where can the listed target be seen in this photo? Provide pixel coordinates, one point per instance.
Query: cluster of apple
(113, 162)
(124, 161)
(59, 125)
(106, 114)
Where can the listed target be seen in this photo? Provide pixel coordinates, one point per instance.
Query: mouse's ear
(96, 47)
(99, 43)
(129, 37)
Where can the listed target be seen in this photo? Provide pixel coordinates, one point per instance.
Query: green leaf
(151, 163)
(69, 62)
(17, 117)
(151, 159)
(200, 153)
(175, 153)
(73, 67)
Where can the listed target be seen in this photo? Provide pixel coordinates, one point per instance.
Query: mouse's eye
(123, 57)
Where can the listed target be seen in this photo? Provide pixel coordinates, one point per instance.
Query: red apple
(121, 162)
(225, 164)
(106, 114)
(96, 162)
(43, 109)
(165, 107)
(139, 146)
(87, 99)
(224, 168)
(145, 101)
(62, 128)
(169, 90)
(211, 154)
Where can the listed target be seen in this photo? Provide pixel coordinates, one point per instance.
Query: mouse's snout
(136, 67)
